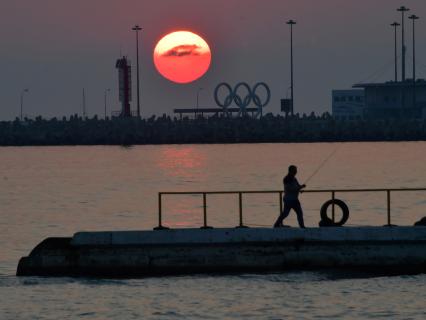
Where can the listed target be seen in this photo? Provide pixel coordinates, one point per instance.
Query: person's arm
(292, 186)
(301, 187)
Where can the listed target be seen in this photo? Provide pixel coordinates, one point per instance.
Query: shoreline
(208, 143)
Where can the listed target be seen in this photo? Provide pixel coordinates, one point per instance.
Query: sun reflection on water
(182, 161)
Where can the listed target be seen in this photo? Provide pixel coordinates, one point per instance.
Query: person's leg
(283, 215)
(298, 208)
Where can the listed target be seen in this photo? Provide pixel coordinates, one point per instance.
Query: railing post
(240, 208)
(281, 201)
(205, 226)
(160, 218)
(205, 209)
(388, 198)
(160, 226)
(333, 194)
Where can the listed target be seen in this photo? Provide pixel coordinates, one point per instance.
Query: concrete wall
(134, 253)
(235, 235)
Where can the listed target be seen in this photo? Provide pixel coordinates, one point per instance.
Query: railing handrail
(280, 192)
(277, 191)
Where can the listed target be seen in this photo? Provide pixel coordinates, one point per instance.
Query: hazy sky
(57, 47)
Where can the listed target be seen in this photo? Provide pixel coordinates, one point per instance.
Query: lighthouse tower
(124, 85)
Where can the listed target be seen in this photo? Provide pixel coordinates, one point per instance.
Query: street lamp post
(105, 102)
(396, 25)
(22, 101)
(136, 28)
(291, 23)
(414, 18)
(403, 10)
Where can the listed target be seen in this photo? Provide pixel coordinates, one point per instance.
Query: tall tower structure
(403, 10)
(291, 23)
(137, 29)
(124, 85)
(395, 25)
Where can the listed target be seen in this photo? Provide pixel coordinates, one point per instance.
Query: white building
(348, 104)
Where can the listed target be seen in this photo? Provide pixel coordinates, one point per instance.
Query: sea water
(56, 191)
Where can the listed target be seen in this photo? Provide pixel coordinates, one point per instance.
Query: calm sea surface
(56, 191)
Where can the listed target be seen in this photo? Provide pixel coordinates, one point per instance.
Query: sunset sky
(57, 47)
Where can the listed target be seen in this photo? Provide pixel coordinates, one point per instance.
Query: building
(348, 104)
(395, 99)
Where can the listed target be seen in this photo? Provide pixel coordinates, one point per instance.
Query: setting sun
(182, 56)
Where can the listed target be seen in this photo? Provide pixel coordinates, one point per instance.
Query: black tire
(326, 221)
(421, 222)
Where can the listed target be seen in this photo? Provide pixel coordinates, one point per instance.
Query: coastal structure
(387, 100)
(213, 112)
(124, 86)
(165, 251)
(348, 104)
(392, 99)
(189, 251)
(395, 99)
(242, 95)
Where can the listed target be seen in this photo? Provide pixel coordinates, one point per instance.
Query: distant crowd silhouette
(217, 129)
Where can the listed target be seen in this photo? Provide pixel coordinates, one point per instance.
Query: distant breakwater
(166, 130)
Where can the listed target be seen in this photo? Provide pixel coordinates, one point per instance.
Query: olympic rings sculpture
(242, 103)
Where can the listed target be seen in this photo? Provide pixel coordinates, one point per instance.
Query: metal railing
(240, 194)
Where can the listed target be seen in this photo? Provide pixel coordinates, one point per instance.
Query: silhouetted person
(291, 198)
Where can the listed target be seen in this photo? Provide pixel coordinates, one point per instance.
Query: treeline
(166, 130)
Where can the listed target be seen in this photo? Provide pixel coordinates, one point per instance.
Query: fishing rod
(323, 163)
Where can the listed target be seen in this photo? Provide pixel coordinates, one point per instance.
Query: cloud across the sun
(182, 56)
(184, 50)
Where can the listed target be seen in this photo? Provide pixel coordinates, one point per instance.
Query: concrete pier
(188, 251)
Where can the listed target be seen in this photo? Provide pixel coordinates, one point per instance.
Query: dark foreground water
(57, 191)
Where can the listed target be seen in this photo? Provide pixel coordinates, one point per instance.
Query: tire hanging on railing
(326, 221)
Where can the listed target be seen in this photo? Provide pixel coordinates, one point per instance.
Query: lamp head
(403, 9)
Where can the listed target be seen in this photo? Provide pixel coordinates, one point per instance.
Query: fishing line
(322, 164)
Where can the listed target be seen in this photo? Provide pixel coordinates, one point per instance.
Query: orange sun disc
(182, 56)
